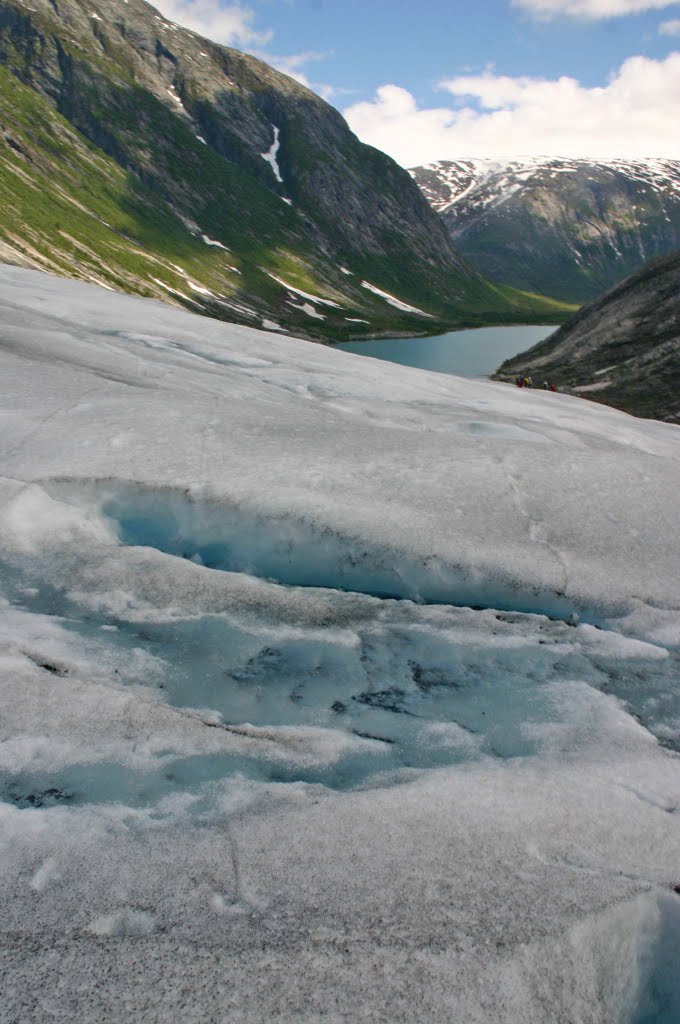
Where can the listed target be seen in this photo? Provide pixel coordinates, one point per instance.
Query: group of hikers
(526, 382)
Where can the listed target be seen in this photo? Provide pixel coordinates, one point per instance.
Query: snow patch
(172, 291)
(172, 93)
(299, 291)
(270, 155)
(393, 300)
(200, 289)
(597, 386)
(214, 242)
(306, 307)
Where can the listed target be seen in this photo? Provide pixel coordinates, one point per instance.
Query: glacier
(330, 689)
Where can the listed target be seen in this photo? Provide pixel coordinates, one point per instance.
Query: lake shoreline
(474, 352)
(439, 334)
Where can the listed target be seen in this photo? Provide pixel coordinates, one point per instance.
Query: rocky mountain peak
(560, 226)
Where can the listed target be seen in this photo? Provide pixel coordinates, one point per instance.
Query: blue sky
(366, 44)
(436, 79)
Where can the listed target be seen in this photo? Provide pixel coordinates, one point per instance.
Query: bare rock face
(566, 228)
(140, 155)
(623, 349)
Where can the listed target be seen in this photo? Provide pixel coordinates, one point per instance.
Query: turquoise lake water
(476, 353)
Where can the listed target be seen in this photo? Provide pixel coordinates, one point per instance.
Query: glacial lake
(473, 353)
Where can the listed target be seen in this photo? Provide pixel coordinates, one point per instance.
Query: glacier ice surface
(329, 689)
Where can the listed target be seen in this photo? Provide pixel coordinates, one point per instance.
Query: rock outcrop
(623, 349)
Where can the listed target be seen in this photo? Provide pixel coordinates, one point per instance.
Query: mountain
(136, 154)
(623, 349)
(567, 228)
(239, 781)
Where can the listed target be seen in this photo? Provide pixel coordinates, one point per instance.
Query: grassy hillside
(126, 160)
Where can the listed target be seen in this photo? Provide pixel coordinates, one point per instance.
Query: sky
(446, 79)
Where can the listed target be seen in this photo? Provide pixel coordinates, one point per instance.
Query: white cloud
(634, 115)
(293, 64)
(590, 8)
(670, 28)
(392, 122)
(231, 25)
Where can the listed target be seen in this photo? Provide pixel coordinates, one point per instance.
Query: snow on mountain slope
(305, 707)
(446, 182)
(562, 227)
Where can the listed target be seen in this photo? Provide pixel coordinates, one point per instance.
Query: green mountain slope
(136, 154)
(623, 349)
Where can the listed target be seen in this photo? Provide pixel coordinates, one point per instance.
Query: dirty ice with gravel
(329, 689)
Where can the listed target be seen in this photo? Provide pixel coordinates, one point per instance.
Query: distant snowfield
(329, 688)
(501, 178)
